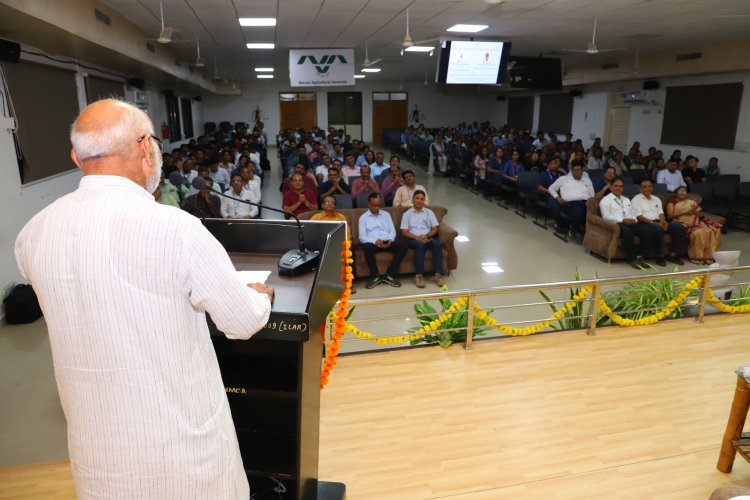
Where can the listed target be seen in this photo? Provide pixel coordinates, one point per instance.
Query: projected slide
(474, 62)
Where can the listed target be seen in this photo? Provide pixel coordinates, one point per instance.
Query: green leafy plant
(574, 318)
(639, 299)
(455, 326)
(741, 297)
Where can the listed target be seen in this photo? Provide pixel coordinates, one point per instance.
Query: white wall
(440, 105)
(589, 117)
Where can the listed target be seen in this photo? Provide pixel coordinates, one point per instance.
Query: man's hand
(663, 224)
(560, 201)
(424, 238)
(629, 222)
(379, 243)
(302, 199)
(261, 288)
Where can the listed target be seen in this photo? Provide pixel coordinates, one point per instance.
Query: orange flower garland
(347, 276)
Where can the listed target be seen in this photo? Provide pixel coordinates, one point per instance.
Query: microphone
(293, 262)
(177, 180)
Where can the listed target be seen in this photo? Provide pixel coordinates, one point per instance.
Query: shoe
(439, 281)
(676, 260)
(352, 291)
(708, 262)
(661, 262)
(390, 280)
(419, 281)
(635, 264)
(374, 282)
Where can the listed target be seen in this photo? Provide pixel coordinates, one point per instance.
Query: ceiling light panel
(260, 45)
(257, 21)
(264, 70)
(370, 70)
(264, 76)
(467, 28)
(419, 48)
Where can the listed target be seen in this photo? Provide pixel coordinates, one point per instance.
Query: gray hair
(112, 139)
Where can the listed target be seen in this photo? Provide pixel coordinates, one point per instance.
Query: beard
(154, 179)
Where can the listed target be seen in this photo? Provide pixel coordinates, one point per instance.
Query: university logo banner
(321, 67)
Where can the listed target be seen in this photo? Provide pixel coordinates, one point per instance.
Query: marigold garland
(654, 318)
(342, 311)
(726, 308)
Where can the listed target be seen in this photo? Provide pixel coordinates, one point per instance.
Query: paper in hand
(246, 277)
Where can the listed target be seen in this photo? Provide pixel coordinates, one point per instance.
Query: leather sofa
(602, 237)
(446, 235)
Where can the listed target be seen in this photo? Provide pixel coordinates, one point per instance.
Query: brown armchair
(446, 235)
(602, 237)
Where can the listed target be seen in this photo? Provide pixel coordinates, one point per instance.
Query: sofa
(446, 235)
(602, 237)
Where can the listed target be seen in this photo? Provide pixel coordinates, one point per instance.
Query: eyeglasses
(159, 142)
(329, 203)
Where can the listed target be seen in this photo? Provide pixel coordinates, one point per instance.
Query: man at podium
(124, 284)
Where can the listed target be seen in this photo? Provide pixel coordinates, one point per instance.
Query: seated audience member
(617, 208)
(495, 167)
(691, 173)
(420, 227)
(329, 213)
(250, 183)
(513, 168)
(219, 174)
(394, 161)
(366, 156)
(704, 234)
(405, 194)
(713, 167)
(659, 165)
(571, 192)
(596, 162)
(535, 163)
(310, 181)
(365, 184)
(300, 156)
(338, 152)
(378, 234)
(481, 161)
(639, 163)
(546, 179)
(378, 166)
(604, 185)
(162, 196)
(188, 172)
(671, 176)
(321, 171)
(334, 185)
(577, 156)
(652, 224)
(618, 163)
(299, 199)
(676, 156)
(391, 183)
(235, 209)
(226, 162)
(205, 173)
(438, 153)
(349, 169)
(203, 203)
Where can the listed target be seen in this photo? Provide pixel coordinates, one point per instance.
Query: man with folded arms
(617, 208)
(420, 227)
(650, 214)
(378, 234)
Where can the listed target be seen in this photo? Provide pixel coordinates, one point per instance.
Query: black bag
(22, 306)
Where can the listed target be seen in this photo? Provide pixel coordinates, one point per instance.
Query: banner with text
(321, 67)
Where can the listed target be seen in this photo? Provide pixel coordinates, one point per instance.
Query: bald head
(112, 137)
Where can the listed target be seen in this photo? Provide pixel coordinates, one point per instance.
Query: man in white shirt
(250, 183)
(571, 193)
(404, 195)
(125, 302)
(671, 177)
(219, 174)
(235, 209)
(379, 166)
(378, 234)
(420, 227)
(617, 208)
(650, 214)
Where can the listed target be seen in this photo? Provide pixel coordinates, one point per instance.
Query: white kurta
(123, 283)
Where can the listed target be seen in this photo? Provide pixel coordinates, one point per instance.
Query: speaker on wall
(137, 83)
(651, 85)
(9, 51)
(576, 93)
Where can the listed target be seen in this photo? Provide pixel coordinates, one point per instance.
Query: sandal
(708, 262)
(697, 262)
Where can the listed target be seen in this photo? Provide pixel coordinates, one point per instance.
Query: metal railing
(591, 316)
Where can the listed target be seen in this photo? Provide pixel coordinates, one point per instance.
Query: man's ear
(74, 157)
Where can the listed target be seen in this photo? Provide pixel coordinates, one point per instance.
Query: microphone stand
(293, 262)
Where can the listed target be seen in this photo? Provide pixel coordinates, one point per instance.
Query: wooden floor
(627, 414)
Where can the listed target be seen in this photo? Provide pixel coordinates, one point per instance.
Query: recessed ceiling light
(264, 70)
(492, 269)
(359, 76)
(485, 264)
(468, 28)
(257, 21)
(370, 70)
(419, 48)
(264, 76)
(260, 45)
(461, 238)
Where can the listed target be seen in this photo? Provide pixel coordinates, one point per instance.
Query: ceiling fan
(635, 69)
(592, 49)
(367, 63)
(216, 76)
(198, 60)
(407, 41)
(165, 35)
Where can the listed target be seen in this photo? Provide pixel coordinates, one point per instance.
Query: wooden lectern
(273, 379)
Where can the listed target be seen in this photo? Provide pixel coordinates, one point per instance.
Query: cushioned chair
(446, 235)
(343, 201)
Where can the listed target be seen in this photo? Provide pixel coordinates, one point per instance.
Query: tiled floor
(32, 427)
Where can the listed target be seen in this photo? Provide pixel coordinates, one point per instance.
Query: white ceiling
(533, 26)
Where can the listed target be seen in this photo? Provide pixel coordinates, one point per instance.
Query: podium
(272, 380)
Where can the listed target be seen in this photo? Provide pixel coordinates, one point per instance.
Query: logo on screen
(322, 66)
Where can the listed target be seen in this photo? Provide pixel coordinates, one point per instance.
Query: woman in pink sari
(703, 232)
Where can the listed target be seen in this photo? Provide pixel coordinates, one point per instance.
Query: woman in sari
(704, 233)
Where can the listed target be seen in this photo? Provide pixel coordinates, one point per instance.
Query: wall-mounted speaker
(576, 93)
(197, 98)
(9, 51)
(651, 85)
(137, 83)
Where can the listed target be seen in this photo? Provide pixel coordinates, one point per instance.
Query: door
(345, 112)
(618, 126)
(298, 109)
(389, 110)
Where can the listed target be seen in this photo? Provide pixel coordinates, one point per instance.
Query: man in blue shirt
(377, 234)
(420, 227)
